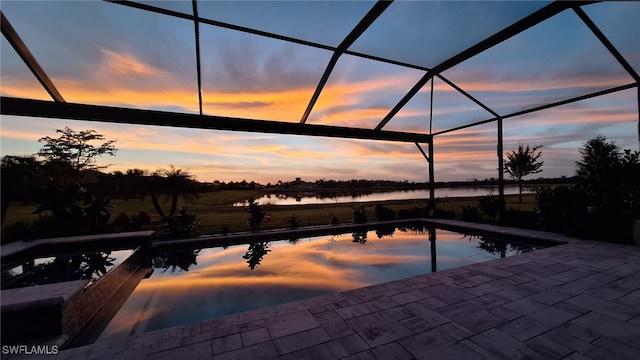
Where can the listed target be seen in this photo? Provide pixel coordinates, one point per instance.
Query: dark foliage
(413, 213)
(176, 260)
(554, 205)
(255, 253)
(382, 231)
(470, 213)
(256, 215)
(182, 223)
(173, 183)
(444, 214)
(359, 215)
(491, 206)
(384, 213)
(294, 222)
(519, 218)
(609, 176)
(61, 269)
(76, 149)
(499, 246)
(359, 237)
(75, 210)
(20, 175)
(523, 162)
(607, 186)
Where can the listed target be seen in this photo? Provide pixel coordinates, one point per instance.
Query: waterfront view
(308, 197)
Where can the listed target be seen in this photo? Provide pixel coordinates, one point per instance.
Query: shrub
(293, 221)
(18, 231)
(413, 213)
(359, 215)
(384, 213)
(444, 214)
(519, 218)
(491, 206)
(470, 213)
(121, 221)
(182, 223)
(556, 205)
(134, 222)
(142, 218)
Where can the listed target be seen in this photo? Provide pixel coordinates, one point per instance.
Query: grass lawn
(215, 211)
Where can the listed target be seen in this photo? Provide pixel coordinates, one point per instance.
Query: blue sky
(107, 54)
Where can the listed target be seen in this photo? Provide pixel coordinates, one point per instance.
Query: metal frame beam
(504, 34)
(429, 158)
(500, 151)
(360, 28)
(196, 26)
(603, 39)
(613, 50)
(23, 51)
(49, 109)
(469, 96)
(542, 107)
(248, 30)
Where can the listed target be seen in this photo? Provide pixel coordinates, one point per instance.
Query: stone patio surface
(579, 300)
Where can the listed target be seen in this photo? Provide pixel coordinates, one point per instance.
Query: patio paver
(578, 300)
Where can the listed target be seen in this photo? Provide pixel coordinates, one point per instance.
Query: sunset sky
(108, 54)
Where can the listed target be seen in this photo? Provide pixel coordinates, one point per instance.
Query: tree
(175, 183)
(75, 149)
(256, 215)
(255, 253)
(597, 169)
(20, 175)
(609, 176)
(523, 162)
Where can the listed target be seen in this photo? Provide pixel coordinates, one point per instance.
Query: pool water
(198, 284)
(61, 268)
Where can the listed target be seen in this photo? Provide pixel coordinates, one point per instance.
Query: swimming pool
(43, 270)
(192, 285)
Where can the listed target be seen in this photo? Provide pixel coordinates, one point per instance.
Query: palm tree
(174, 183)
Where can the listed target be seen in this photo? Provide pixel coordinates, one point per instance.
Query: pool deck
(579, 300)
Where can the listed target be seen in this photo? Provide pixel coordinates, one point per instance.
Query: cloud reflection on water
(221, 282)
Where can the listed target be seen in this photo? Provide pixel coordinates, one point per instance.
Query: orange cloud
(125, 65)
(21, 88)
(287, 105)
(340, 103)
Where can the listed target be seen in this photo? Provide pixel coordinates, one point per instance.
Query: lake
(306, 197)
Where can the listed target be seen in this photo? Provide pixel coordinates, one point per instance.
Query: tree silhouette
(256, 215)
(610, 176)
(75, 149)
(20, 175)
(255, 252)
(359, 237)
(181, 260)
(523, 162)
(175, 183)
(597, 169)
